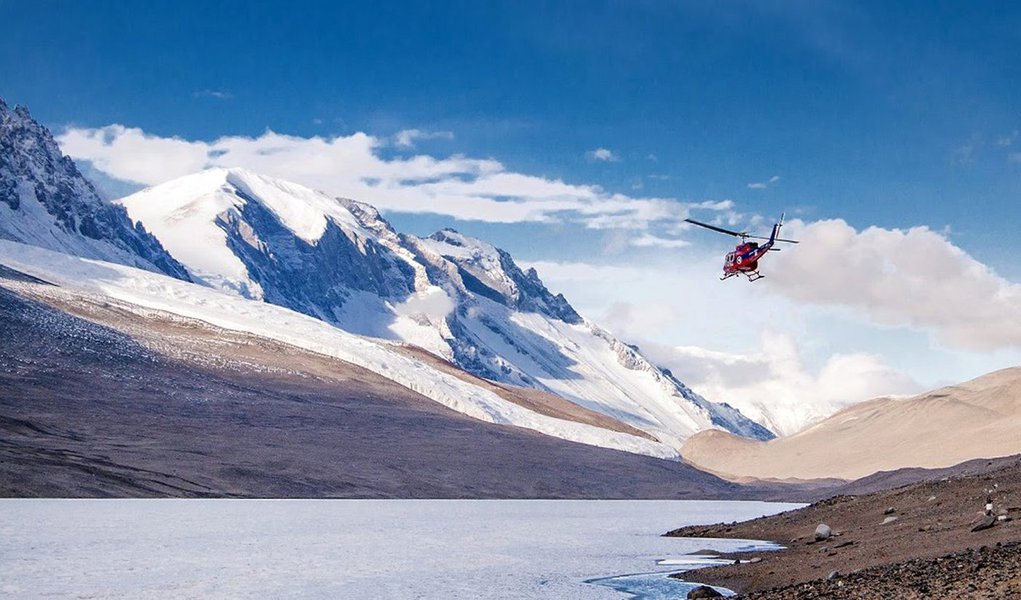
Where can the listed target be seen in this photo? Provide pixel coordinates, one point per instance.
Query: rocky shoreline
(954, 537)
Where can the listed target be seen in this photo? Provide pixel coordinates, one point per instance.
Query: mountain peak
(267, 238)
(456, 239)
(45, 201)
(492, 273)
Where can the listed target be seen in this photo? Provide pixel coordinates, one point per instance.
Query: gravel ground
(905, 540)
(992, 572)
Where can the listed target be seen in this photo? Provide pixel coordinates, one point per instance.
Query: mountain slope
(460, 298)
(45, 201)
(977, 419)
(145, 290)
(100, 397)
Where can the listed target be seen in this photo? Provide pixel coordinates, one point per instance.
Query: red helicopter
(744, 260)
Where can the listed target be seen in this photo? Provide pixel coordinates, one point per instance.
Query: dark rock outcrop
(45, 201)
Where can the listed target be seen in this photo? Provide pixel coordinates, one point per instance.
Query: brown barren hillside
(919, 541)
(977, 419)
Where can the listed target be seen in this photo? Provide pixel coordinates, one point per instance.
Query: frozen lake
(351, 548)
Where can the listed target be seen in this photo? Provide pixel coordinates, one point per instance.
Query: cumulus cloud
(772, 383)
(601, 154)
(914, 278)
(774, 387)
(406, 138)
(761, 185)
(352, 166)
(131, 155)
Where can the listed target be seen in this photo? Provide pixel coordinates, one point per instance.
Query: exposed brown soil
(114, 400)
(541, 402)
(929, 520)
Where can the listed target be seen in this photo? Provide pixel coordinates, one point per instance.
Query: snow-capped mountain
(458, 297)
(139, 291)
(45, 201)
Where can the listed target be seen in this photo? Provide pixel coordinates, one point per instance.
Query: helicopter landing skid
(751, 275)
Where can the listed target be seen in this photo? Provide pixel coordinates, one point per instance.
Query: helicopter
(744, 260)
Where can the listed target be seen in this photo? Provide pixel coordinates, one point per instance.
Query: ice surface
(349, 548)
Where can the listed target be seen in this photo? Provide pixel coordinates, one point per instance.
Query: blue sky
(865, 112)
(893, 115)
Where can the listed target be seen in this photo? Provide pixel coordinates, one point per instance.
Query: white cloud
(217, 94)
(582, 272)
(858, 312)
(654, 305)
(964, 155)
(602, 154)
(774, 387)
(914, 278)
(1009, 139)
(647, 240)
(761, 185)
(1014, 157)
(131, 155)
(351, 166)
(406, 138)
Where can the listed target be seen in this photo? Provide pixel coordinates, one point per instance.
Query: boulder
(986, 522)
(889, 519)
(823, 532)
(704, 591)
(890, 511)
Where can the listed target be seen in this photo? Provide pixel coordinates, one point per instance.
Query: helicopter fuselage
(745, 258)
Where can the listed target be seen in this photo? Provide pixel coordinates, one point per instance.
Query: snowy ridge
(45, 201)
(271, 240)
(510, 328)
(461, 298)
(230, 311)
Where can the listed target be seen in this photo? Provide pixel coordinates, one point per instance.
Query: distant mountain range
(264, 240)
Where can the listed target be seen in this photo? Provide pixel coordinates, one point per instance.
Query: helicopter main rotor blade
(759, 237)
(715, 228)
